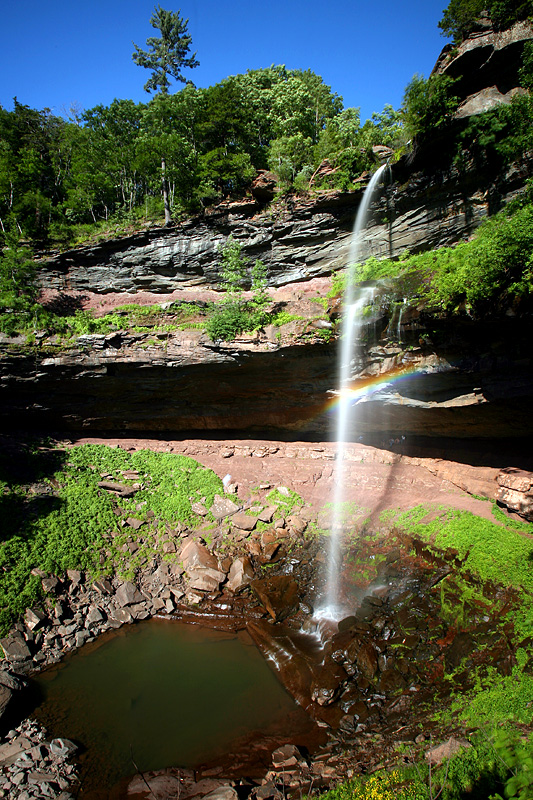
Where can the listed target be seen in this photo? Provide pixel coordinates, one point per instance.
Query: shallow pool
(159, 693)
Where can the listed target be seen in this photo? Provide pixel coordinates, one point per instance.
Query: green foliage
(287, 502)
(167, 53)
(17, 274)
(234, 315)
(428, 104)
(460, 16)
(497, 699)
(68, 529)
(496, 263)
(486, 549)
(380, 786)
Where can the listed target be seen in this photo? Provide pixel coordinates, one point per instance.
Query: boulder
(196, 556)
(120, 615)
(241, 574)
(286, 756)
(50, 584)
(15, 647)
(516, 491)
(328, 683)
(222, 507)
(5, 698)
(263, 187)
(243, 521)
(446, 750)
(205, 580)
(222, 793)
(267, 514)
(127, 594)
(34, 618)
(367, 660)
(62, 748)
(120, 489)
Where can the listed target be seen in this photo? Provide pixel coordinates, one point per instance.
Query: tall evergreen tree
(167, 55)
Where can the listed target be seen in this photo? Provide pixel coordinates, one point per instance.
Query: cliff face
(418, 209)
(486, 67)
(465, 381)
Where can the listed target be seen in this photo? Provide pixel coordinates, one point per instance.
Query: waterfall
(352, 321)
(399, 323)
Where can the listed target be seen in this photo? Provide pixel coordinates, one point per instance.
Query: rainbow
(362, 388)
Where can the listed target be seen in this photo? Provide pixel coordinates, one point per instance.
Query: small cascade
(399, 322)
(355, 301)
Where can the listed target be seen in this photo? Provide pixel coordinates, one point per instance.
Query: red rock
(516, 491)
(278, 594)
(367, 660)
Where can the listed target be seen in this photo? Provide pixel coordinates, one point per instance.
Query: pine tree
(167, 54)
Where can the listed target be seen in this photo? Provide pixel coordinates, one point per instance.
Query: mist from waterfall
(354, 302)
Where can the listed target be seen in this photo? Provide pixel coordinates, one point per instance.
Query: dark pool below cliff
(160, 693)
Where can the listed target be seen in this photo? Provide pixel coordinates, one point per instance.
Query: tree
(167, 54)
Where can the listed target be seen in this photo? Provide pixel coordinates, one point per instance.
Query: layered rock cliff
(418, 209)
(427, 377)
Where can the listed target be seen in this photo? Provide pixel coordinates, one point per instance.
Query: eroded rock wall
(419, 208)
(472, 381)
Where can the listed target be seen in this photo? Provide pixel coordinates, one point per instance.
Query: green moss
(485, 548)
(72, 527)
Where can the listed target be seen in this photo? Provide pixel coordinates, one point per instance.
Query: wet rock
(328, 683)
(240, 574)
(367, 660)
(347, 623)
(278, 594)
(62, 747)
(286, 756)
(460, 648)
(391, 681)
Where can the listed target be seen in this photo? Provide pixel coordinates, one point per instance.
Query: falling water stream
(355, 300)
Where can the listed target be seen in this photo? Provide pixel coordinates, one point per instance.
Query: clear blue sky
(63, 52)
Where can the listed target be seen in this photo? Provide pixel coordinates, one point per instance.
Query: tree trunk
(164, 186)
